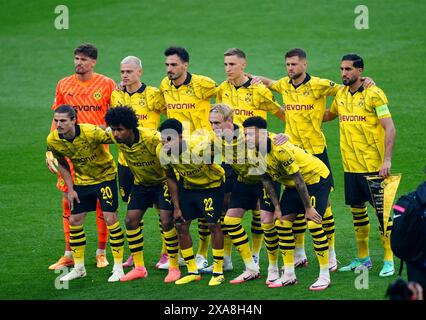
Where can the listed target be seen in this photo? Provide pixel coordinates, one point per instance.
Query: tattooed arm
(310, 212)
(270, 190)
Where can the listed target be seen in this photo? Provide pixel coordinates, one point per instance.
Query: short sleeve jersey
(195, 164)
(190, 102)
(287, 159)
(92, 162)
(147, 102)
(304, 109)
(362, 137)
(141, 157)
(247, 100)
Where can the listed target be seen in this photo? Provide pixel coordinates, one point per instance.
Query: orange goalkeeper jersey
(90, 99)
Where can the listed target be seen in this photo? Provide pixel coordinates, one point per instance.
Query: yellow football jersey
(190, 102)
(192, 164)
(92, 162)
(248, 100)
(362, 137)
(285, 160)
(141, 157)
(235, 154)
(304, 109)
(148, 103)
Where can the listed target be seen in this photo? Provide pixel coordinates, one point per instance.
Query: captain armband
(383, 111)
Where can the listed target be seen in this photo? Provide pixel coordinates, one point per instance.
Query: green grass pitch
(35, 55)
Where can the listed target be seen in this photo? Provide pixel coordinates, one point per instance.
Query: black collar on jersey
(136, 140)
(77, 133)
(245, 84)
(307, 78)
(140, 90)
(360, 89)
(186, 82)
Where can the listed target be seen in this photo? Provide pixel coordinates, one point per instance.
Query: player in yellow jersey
(187, 97)
(200, 193)
(137, 146)
(245, 192)
(247, 99)
(148, 103)
(307, 183)
(367, 136)
(304, 98)
(95, 179)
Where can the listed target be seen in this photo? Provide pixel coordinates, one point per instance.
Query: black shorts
(202, 203)
(144, 197)
(231, 177)
(106, 192)
(292, 204)
(356, 188)
(324, 158)
(125, 182)
(245, 195)
(264, 199)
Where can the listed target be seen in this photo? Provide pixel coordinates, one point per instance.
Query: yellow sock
(217, 261)
(78, 244)
(239, 238)
(320, 243)
(286, 241)
(271, 243)
(227, 242)
(135, 240)
(362, 230)
(172, 245)
(299, 228)
(188, 256)
(256, 233)
(116, 241)
(227, 246)
(203, 237)
(328, 227)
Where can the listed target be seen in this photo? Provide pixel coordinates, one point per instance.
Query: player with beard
(367, 136)
(89, 94)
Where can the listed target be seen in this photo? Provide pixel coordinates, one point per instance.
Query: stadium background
(34, 56)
